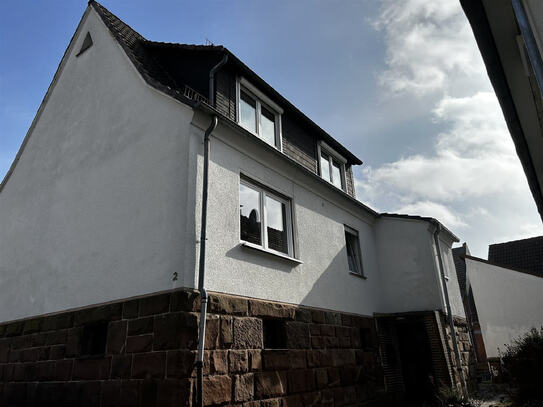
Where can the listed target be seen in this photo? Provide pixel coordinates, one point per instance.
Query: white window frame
(351, 231)
(332, 155)
(261, 100)
(263, 193)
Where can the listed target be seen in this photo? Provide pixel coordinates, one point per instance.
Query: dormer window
(258, 114)
(331, 166)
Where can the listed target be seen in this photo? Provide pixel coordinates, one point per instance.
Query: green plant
(523, 362)
(452, 397)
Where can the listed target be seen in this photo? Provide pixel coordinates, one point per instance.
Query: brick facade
(141, 352)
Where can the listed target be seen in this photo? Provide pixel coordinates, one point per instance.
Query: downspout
(448, 305)
(211, 98)
(201, 272)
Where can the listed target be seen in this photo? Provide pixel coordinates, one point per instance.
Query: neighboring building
(501, 303)
(313, 295)
(525, 255)
(509, 34)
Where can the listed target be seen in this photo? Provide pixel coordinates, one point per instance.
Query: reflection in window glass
(276, 225)
(249, 214)
(247, 115)
(325, 166)
(267, 126)
(336, 174)
(353, 251)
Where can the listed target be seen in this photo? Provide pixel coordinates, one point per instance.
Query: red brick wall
(150, 352)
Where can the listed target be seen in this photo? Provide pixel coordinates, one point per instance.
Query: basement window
(258, 114)
(274, 332)
(265, 218)
(94, 338)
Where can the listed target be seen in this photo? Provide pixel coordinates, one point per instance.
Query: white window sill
(253, 246)
(362, 276)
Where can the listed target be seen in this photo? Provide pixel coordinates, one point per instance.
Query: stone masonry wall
(467, 353)
(141, 352)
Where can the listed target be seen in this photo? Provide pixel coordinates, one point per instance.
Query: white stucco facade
(105, 202)
(508, 303)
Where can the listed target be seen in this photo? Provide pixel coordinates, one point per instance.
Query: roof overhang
(495, 27)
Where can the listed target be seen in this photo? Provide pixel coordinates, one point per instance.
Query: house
(509, 34)
(502, 296)
(156, 176)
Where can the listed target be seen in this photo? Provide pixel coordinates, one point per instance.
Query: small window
(352, 244)
(93, 339)
(258, 114)
(87, 43)
(265, 218)
(332, 169)
(274, 334)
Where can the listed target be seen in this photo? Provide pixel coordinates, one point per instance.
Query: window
(258, 114)
(265, 218)
(93, 339)
(274, 334)
(353, 251)
(332, 166)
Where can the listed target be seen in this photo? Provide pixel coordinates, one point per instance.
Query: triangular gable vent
(87, 43)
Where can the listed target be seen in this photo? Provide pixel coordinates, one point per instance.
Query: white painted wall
(323, 280)
(508, 302)
(98, 207)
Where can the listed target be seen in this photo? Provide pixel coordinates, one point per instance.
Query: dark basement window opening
(365, 338)
(275, 335)
(94, 338)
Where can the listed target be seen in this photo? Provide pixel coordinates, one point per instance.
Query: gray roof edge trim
(428, 219)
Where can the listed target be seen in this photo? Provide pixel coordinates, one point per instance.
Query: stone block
(129, 393)
(330, 342)
(270, 384)
(140, 326)
(45, 371)
(244, 387)
(44, 353)
(110, 395)
(317, 342)
(121, 366)
(312, 399)
(247, 333)
(4, 350)
(180, 364)
(334, 378)
(185, 300)
(217, 390)
(226, 304)
(174, 393)
(328, 330)
(73, 342)
(57, 352)
(292, 401)
(154, 305)
(301, 381)
(218, 362)
(21, 342)
(91, 369)
(176, 331)
(116, 337)
(149, 365)
(321, 378)
(297, 335)
(332, 318)
(212, 331)
(14, 329)
(140, 343)
(32, 326)
(271, 309)
(56, 337)
(319, 358)
(315, 329)
(255, 359)
(303, 315)
(271, 403)
(130, 309)
(109, 312)
(342, 357)
(58, 321)
(239, 361)
(226, 332)
(63, 370)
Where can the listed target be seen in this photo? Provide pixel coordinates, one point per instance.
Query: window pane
(276, 223)
(353, 254)
(247, 113)
(336, 174)
(267, 126)
(325, 166)
(249, 214)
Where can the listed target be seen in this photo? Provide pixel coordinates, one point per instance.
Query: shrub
(523, 361)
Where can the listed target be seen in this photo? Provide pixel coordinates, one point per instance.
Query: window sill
(257, 248)
(362, 276)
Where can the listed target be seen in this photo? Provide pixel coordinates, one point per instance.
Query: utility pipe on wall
(448, 306)
(201, 271)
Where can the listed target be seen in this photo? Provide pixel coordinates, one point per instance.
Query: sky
(400, 83)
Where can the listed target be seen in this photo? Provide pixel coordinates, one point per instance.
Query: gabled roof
(157, 73)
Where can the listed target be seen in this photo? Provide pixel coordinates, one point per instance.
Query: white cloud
(472, 179)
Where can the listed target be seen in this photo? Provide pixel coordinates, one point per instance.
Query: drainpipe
(212, 79)
(448, 305)
(201, 272)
